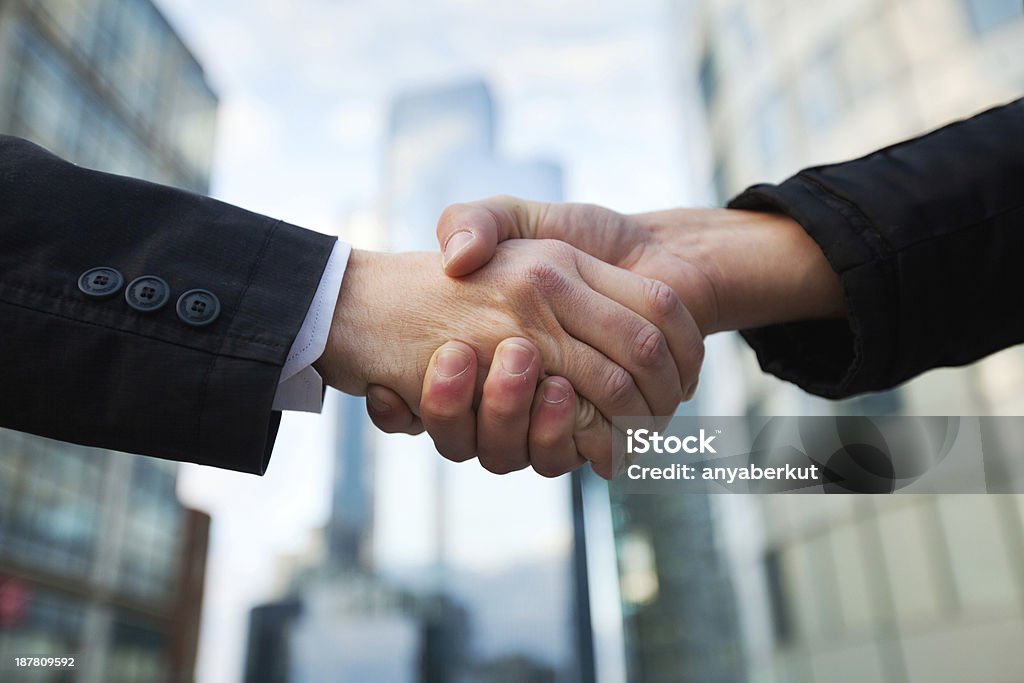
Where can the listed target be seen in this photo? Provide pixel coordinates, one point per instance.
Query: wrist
(385, 324)
(346, 363)
(761, 268)
(779, 273)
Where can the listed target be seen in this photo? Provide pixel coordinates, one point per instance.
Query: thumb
(390, 413)
(469, 233)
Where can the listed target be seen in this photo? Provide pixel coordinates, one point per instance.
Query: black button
(198, 307)
(147, 293)
(100, 282)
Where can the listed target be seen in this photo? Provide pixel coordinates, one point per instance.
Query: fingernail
(451, 362)
(555, 393)
(457, 244)
(378, 404)
(515, 358)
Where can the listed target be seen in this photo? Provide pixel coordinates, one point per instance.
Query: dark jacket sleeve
(927, 237)
(97, 372)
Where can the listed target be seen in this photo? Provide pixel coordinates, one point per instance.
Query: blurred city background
(365, 557)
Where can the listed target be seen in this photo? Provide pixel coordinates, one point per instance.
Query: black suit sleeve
(99, 373)
(927, 237)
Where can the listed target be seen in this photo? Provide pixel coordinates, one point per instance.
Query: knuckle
(506, 401)
(504, 200)
(505, 414)
(587, 416)
(660, 299)
(546, 441)
(558, 251)
(649, 346)
(450, 215)
(546, 279)
(440, 414)
(619, 388)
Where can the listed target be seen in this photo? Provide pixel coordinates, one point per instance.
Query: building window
(990, 14)
(53, 519)
(152, 533)
(51, 623)
(138, 652)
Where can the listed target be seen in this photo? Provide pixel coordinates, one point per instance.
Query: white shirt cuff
(301, 387)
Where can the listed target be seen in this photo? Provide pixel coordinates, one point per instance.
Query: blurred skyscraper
(850, 588)
(344, 619)
(97, 556)
(442, 149)
(350, 527)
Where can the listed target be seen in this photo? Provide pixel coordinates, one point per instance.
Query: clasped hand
(544, 321)
(520, 363)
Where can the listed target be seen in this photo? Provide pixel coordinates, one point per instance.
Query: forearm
(191, 374)
(927, 237)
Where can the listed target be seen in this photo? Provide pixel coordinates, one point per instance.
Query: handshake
(540, 322)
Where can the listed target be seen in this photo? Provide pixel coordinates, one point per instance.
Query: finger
(446, 403)
(503, 418)
(665, 354)
(468, 233)
(592, 434)
(390, 413)
(595, 376)
(552, 420)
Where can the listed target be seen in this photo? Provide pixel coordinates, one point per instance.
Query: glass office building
(441, 610)
(98, 558)
(109, 85)
(839, 588)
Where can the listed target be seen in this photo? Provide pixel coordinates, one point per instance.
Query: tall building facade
(350, 617)
(857, 588)
(107, 84)
(443, 148)
(98, 558)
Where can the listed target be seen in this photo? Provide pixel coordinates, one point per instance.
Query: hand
(624, 341)
(732, 269)
(514, 416)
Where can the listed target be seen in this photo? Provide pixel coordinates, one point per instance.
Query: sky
(305, 88)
